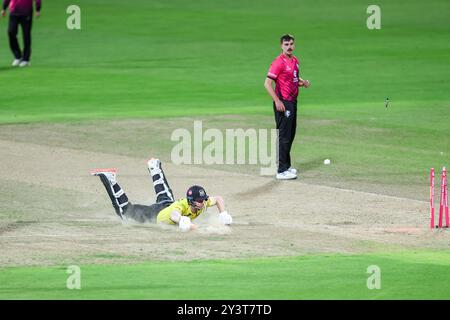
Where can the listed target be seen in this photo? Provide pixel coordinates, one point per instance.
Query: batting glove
(185, 223)
(225, 218)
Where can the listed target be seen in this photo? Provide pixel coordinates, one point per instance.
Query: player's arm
(38, 8)
(184, 223)
(217, 201)
(268, 84)
(5, 5)
(224, 216)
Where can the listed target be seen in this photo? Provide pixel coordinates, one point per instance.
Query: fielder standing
(284, 71)
(20, 13)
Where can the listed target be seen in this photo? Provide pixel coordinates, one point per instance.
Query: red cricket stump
(441, 202)
(446, 198)
(432, 198)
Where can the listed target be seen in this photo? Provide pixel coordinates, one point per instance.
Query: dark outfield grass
(147, 59)
(403, 275)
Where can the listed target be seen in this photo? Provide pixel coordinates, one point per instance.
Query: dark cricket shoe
(115, 193)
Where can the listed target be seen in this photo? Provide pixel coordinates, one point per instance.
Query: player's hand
(305, 83)
(225, 218)
(3, 13)
(279, 105)
(38, 14)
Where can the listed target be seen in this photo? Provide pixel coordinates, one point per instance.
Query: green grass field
(202, 59)
(404, 275)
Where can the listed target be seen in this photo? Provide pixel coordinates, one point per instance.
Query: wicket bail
(443, 202)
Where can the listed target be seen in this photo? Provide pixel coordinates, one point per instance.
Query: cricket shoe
(154, 165)
(286, 175)
(110, 174)
(24, 63)
(15, 62)
(292, 170)
(115, 193)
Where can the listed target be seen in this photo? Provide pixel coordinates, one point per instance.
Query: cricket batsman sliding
(165, 210)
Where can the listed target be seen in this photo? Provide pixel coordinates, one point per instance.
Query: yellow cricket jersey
(183, 207)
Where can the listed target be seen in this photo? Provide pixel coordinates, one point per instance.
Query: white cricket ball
(326, 161)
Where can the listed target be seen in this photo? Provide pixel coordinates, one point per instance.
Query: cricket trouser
(164, 198)
(286, 123)
(142, 213)
(138, 212)
(13, 27)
